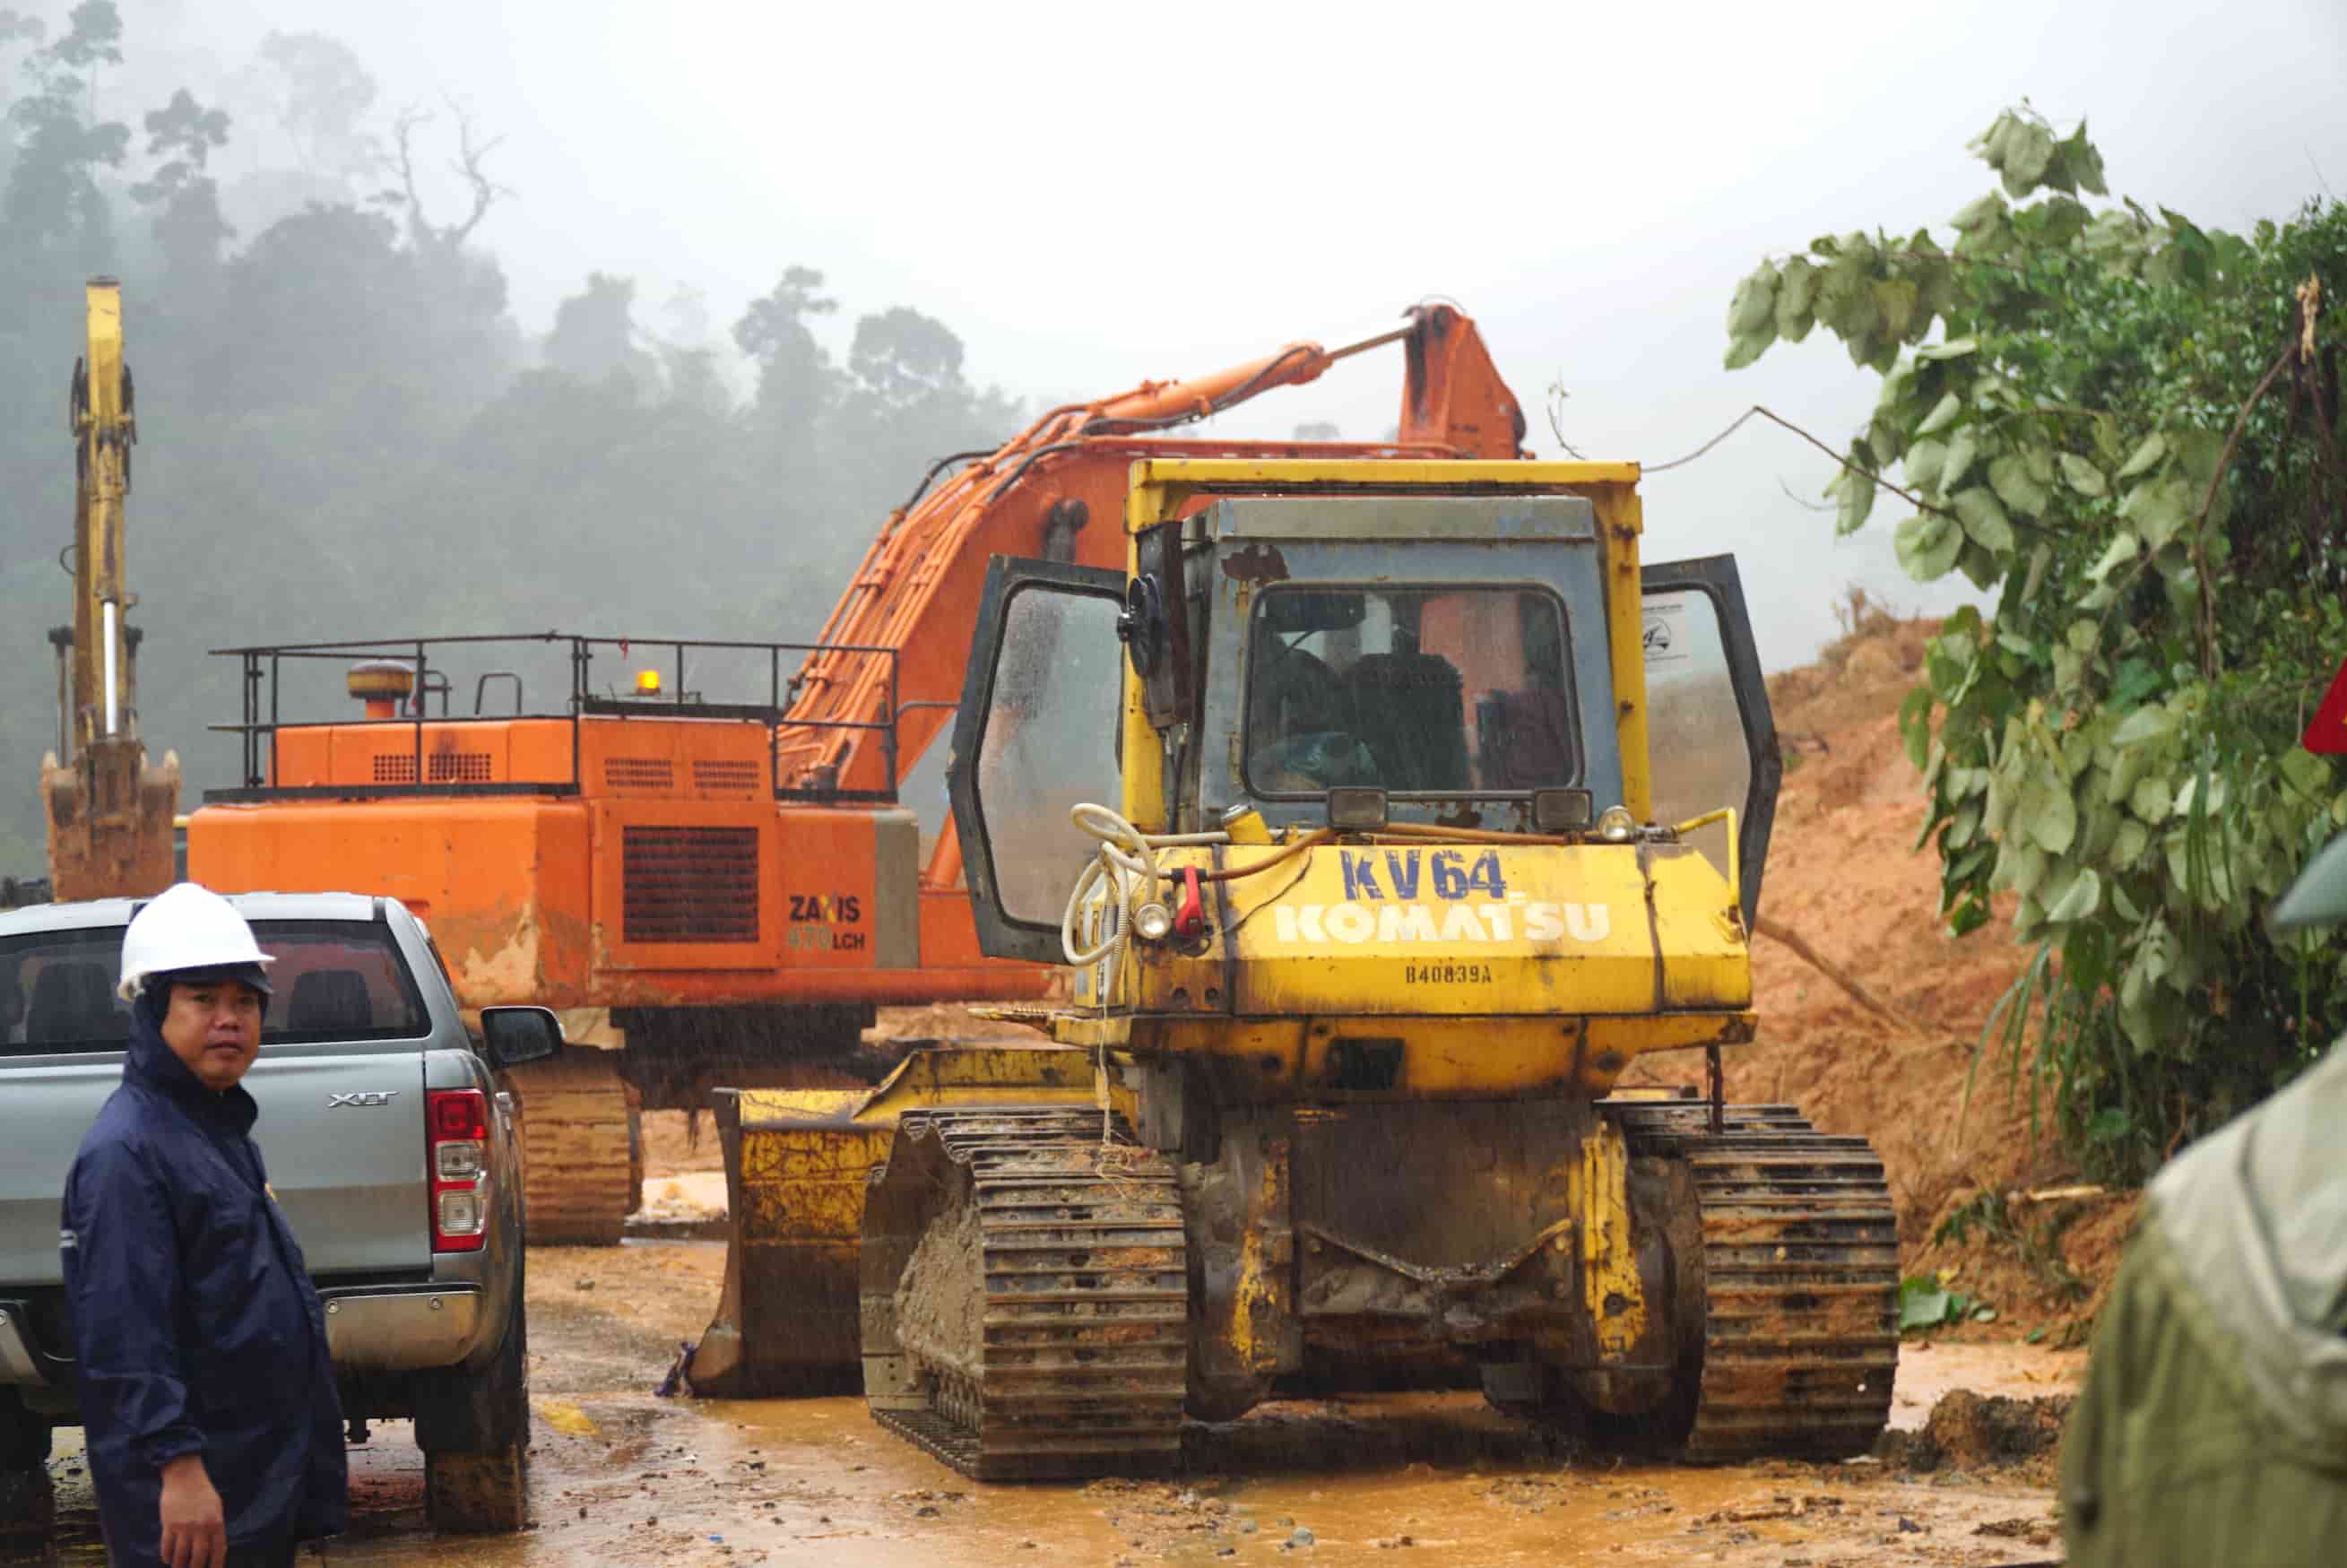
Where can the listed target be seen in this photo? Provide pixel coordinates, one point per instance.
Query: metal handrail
(263, 666)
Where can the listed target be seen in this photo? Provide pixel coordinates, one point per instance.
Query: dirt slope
(1844, 876)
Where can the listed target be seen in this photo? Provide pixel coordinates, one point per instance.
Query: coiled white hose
(1125, 864)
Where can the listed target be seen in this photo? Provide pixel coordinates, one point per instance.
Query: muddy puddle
(622, 1477)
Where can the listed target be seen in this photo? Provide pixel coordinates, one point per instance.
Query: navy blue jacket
(196, 1329)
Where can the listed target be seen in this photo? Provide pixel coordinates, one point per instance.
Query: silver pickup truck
(366, 1068)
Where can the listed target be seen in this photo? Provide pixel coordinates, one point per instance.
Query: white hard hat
(190, 928)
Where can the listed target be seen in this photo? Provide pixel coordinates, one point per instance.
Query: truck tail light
(457, 1133)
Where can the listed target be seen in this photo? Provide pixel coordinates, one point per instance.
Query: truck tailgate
(350, 1178)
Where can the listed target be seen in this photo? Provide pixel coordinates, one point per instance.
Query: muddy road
(620, 1476)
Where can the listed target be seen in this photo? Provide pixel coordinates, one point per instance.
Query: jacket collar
(154, 1065)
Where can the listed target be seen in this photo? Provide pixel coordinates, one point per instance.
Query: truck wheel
(478, 1495)
(28, 1503)
(473, 1430)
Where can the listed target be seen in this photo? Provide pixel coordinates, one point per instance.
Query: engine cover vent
(689, 883)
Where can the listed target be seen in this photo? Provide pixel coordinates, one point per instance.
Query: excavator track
(1800, 1258)
(582, 1172)
(1082, 1331)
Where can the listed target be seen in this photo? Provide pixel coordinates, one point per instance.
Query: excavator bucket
(110, 820)
(796, 1167)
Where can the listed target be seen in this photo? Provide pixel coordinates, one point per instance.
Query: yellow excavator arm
(110, 812)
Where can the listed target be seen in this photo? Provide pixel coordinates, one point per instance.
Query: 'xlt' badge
(362, 1097)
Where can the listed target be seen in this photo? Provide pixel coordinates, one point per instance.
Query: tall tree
(594, 335)
(186, 198)
(53, 204)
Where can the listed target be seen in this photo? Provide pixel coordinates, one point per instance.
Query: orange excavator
(740, 876)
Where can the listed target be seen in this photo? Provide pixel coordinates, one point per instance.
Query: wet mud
(620, 1476)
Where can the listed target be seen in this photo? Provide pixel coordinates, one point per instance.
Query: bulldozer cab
(1456, 652)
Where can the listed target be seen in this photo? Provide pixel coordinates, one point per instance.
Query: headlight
(1616, 825)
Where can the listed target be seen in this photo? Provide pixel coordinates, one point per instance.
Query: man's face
(214, 1025)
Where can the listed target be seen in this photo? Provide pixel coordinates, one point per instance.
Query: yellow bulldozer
(1384, 814)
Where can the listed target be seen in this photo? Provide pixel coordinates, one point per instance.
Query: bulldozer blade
(794, 1173)
(797, 1161)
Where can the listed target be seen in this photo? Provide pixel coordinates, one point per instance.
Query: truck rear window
(333, 980)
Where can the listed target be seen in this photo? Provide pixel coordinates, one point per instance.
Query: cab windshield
(1457, 689)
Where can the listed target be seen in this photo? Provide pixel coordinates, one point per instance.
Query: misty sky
(1089, 194)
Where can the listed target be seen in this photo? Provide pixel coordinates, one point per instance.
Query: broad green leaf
(1943, 413)
(1894, 301)
(2022, 492)
(2028, 152)
(1743, 350)
(2079, 901)
(2200, 452)
(2107, 441)
(2024, 865)
(1795, 299)
(1854, 501)
(1923, 462)
(2060, 220)
(1954, 348)
(2126, 850)
(1983, 519)
(1927, 545)
(2159, 508)
(2306, 772)
(1980, 214)
(1925, 1309)
(1979, 565)
(2148, 722)
(2150, 800)
(2083, 476)
(1915, 724)
(1754, 304)
(1884, 443)
(2069, 668)
(1960, 828)
(2123, 548)
(2039, 559)
(1964, 449)
(2083, 163)
(2081, 635)
(2152, 449)
(2046, 813)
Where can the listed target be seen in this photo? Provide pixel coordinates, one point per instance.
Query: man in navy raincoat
(207, 1396)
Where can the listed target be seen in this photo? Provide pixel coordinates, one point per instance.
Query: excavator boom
(110, 812)
(1056, 489)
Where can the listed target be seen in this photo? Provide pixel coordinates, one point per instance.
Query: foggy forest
(344, 430)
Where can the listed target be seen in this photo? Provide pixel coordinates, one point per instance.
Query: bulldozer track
(1801, 1252)
(1084, 1353)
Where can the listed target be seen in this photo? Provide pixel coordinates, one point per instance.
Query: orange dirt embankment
(1844, 876)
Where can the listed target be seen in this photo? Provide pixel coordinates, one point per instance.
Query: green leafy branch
(2075, 395)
